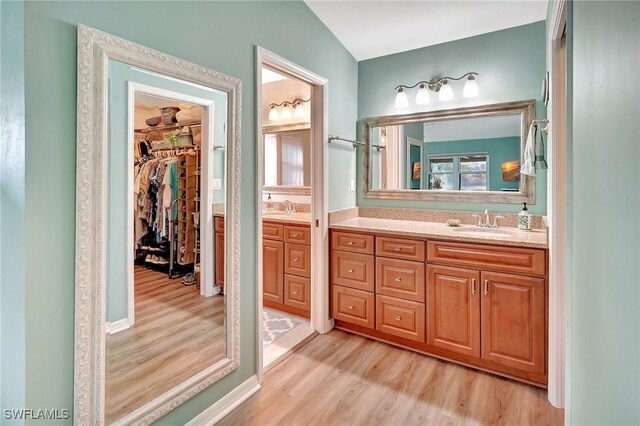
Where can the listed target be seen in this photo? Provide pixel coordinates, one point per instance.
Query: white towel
(529, 162)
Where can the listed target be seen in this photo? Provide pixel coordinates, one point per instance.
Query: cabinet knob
(398, 318)
(351, 306)
(398, 279)
(351, 271)
(295, 291)
(398, 249)
(350, 243)
(295, 259)
(295, 234)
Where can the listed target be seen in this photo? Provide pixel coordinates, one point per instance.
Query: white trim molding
(557, 182)
(320, 320)
(95, 49)
(117, 326)
(227, 403)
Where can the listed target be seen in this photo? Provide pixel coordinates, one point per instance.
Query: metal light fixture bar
(436, 83)
(286, 113)
(287, 103)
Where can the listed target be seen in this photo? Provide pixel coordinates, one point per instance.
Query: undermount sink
(483, 232)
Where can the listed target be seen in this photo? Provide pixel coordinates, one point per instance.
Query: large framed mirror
(468, 154)
(287, 159)
(157, 230)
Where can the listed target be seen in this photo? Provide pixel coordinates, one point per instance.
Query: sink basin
(277, 213)
(483, 232)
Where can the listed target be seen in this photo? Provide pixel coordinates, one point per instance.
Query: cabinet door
(219, 262)
(513, 321)
(453, 307)
(273, 270)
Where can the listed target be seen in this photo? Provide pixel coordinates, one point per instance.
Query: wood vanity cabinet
(286, 267)
(477, 304)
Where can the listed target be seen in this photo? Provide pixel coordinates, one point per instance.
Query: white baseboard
(116, 326)
(227, 403)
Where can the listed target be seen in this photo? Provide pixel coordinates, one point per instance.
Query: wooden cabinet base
(426, 349)
(286, 308)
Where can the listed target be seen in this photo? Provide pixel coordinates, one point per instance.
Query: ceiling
(369, 29)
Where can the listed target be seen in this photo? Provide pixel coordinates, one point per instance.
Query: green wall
(511, 64)
(499, 150)
(604, 347)
(218, 35)
(12, 206)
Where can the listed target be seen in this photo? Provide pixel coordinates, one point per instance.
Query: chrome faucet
(288, 207)
(486, 223)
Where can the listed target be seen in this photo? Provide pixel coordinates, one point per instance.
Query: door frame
(320, 320)
(206, 151)
(557, 188)
(413, 142)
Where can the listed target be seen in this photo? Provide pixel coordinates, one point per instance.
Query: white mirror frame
(95, 49)
(526, 191)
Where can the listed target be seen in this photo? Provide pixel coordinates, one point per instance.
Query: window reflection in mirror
(287, 158)
(473, 154)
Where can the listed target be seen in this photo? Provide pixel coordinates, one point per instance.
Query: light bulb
(422, 98)
(470, 87)
(299, 110)
(286, 112)
(401, 99)
(273, 113)
(445, 94)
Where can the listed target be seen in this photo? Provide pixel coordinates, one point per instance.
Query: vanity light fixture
(288, 109)
(439, 85)
(273, 113)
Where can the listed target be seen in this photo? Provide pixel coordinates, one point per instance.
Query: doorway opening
(292, 228)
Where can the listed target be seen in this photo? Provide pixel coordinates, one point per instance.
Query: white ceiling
(269, 76)
(369, 29)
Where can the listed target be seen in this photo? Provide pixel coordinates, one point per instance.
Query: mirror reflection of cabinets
(287, 160)
(466, 154)
(152, 328)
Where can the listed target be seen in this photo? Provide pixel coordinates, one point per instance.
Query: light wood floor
(177, 333)
(343, 379)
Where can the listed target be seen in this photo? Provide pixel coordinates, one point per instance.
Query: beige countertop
(435, 230)
(287, 217)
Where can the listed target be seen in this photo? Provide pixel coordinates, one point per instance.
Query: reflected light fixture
(401, 99)
(273, 113)
(285, 110)
(440, 85)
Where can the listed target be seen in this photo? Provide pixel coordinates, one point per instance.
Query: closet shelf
(166, 127)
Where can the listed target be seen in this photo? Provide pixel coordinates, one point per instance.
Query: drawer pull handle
(398, 318)
(398, 249)
(486, 287)
(295, 234)
(295, 259)
(351, 306)
(398, 279)
(350, 243)
(295, 291)
(351, 271)
(473, 286)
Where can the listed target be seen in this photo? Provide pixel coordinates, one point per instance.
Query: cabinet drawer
(510, 259)
(297, 234)
(297, 292)
(352, 270)
(348, 241)
(297, 260)
(353, 306)
(402, 318)
(272, 231)
(400, 248)
(218, 224)
(400, 278)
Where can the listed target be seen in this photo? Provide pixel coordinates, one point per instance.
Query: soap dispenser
(269, 203)
(524, 219)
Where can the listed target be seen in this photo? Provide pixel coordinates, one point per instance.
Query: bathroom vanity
(471, 295)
